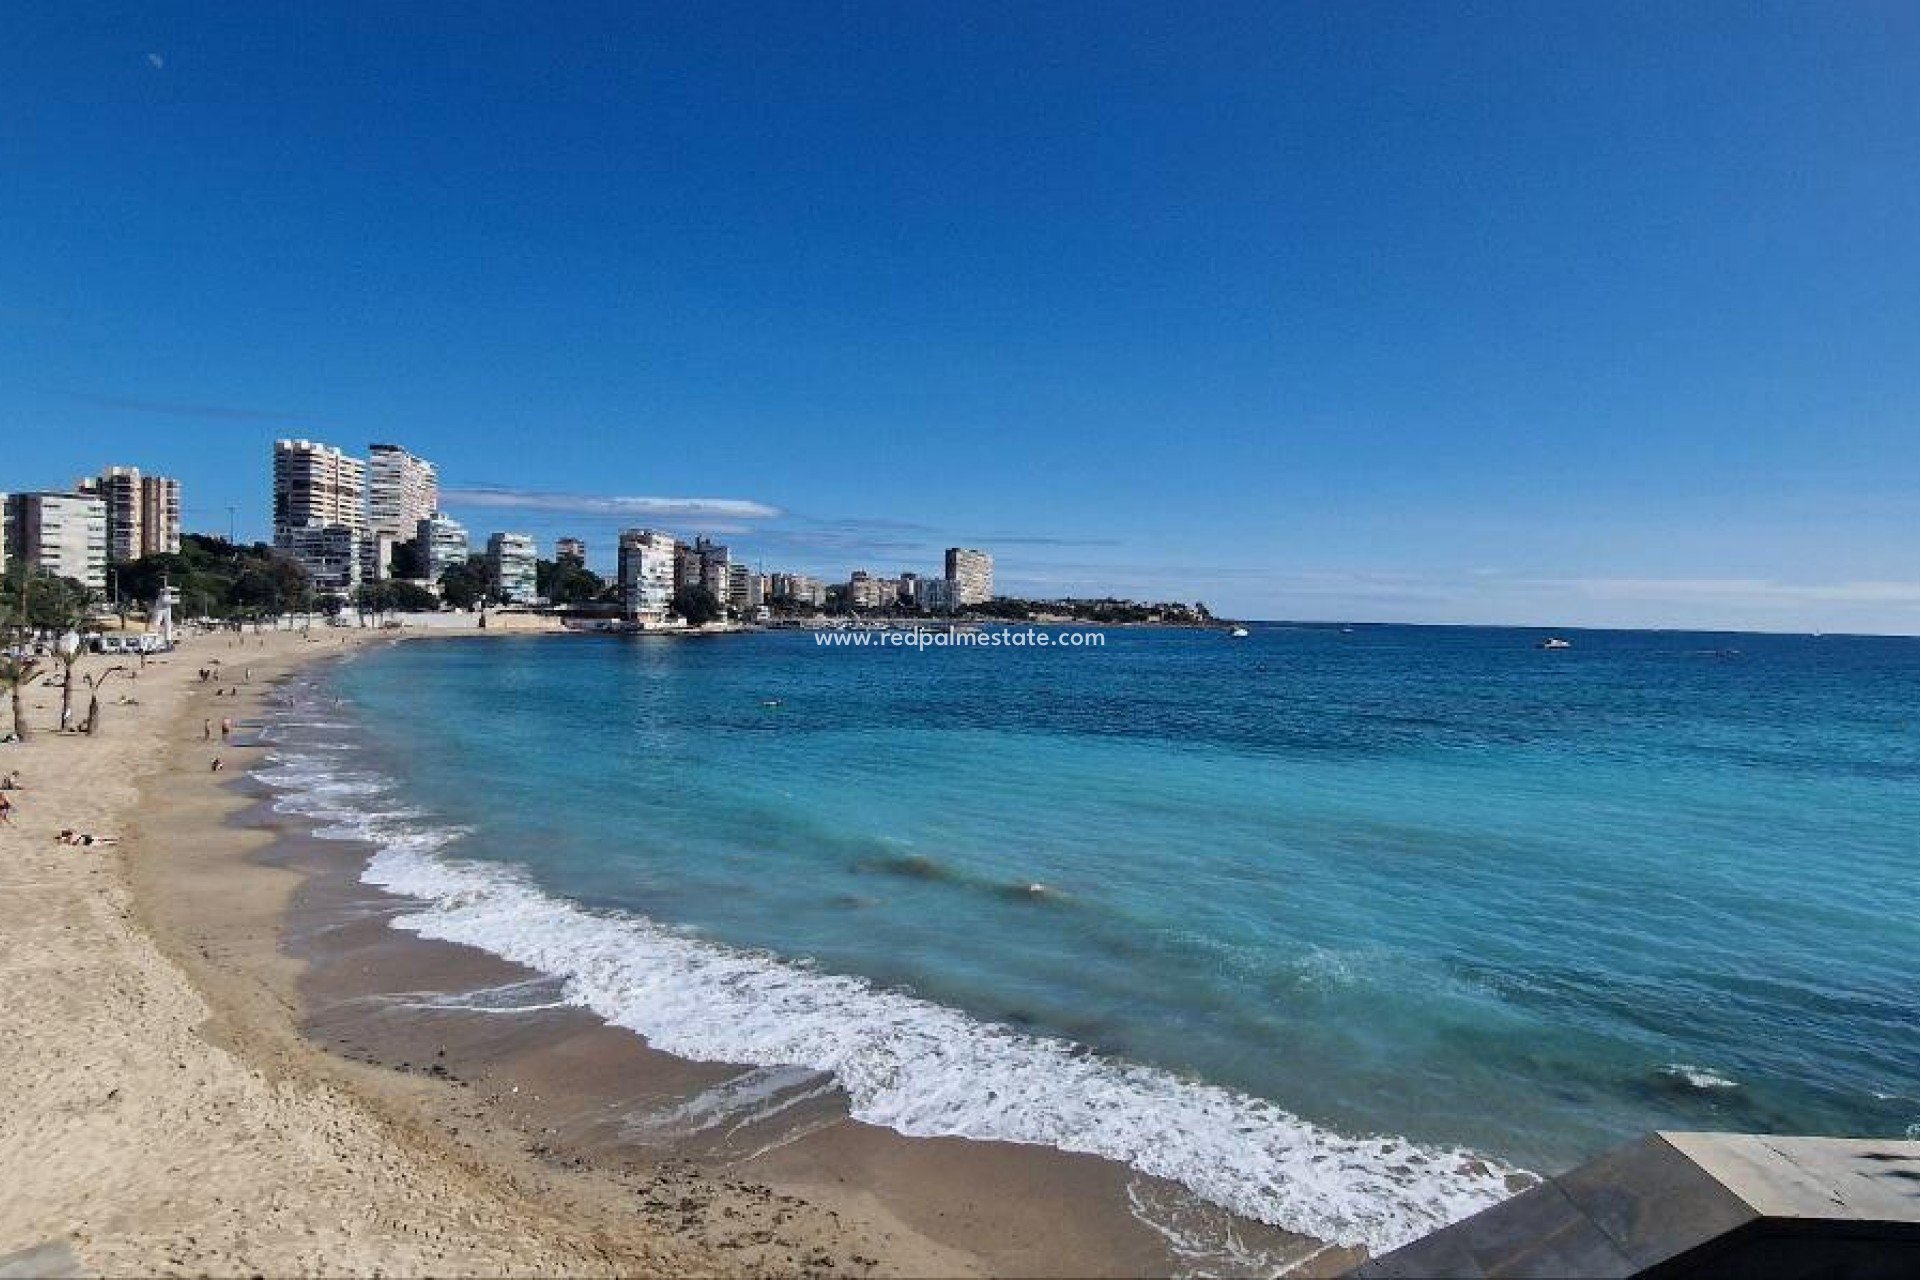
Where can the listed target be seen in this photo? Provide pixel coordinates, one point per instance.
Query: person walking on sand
(6, 809)
(206, 731)
(226, 729)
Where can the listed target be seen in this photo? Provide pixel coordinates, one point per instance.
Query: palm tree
(16, 672)
(93, 696)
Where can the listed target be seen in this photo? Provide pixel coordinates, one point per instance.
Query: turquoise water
(1269, 898)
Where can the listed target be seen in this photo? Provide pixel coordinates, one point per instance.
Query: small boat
(1239, 633)
(1554, 642)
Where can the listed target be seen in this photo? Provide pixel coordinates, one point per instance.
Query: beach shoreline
(287, 951)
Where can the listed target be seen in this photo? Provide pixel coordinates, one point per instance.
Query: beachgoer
(6, 810)
(226, 729)
(206, 731)
(11, 782)
(216, 764)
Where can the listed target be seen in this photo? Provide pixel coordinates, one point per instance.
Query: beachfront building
(319, 502)
(143, 512)
(443, 540)
(513, 562)
(646, 574)
(570, 551)
(402, 490)
(315, 485)
(796, 588)
(716, 568)
(864, 591)
(971, 573)
(910, 589)
(159, 515)
(118, 489)
(937, 595)
(686, 566)
(330, 553)
(64, 534)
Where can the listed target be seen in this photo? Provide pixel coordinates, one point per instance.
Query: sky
(1555, 314)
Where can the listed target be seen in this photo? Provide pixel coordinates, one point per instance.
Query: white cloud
(734, 510)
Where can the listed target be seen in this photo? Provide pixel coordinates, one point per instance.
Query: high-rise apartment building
(647, 573)
(119, 489)
(795, 588)
(315, 485)
(64, 534)
(330, 553)
(443, 540)
(864, 591)
(402, 490)
(513, 561)
(143, 512)
(937, 595)
(971, 573)
(319, 507)
(159, 515)
(716, 568)
(570, 551)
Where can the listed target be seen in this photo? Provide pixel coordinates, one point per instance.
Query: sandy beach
(146, 1130)
(210, 1067)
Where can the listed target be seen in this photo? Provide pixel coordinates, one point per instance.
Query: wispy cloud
(1042, 540)
(189, 409)
(732, 512)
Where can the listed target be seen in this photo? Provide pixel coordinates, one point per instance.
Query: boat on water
(1554, 642)
(1239, 633)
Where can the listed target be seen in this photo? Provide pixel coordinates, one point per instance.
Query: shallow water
(1335, 928)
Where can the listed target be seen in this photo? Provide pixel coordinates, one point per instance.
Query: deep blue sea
(1336, 927)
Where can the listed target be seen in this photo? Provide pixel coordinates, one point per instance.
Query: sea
(1351, 930)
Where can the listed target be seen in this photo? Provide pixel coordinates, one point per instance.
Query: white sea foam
(1699, 1077)
(914, 1066)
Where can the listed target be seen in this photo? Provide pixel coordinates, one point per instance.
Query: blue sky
(1557, 314)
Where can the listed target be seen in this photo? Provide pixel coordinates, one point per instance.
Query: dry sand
(130, 1134)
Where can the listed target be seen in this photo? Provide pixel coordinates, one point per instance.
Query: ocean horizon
(1347, 928)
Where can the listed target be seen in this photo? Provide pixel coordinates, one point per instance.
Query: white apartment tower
(143, 512)
(317, 485)
(319, 490)
(444, 540)
(647, 559)
(63, 533)
(971, 573)
(402, 490)
(119, 489)
(514, 561)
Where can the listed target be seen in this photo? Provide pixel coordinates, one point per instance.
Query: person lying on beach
(84, 840)
(11, 782)
(216, 764)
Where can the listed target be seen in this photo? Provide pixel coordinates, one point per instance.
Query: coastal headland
(222, 1060)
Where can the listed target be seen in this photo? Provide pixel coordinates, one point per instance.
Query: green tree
(697, 605)
(411, 597)
(564, 582)
(409, 559)
(468, 585)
